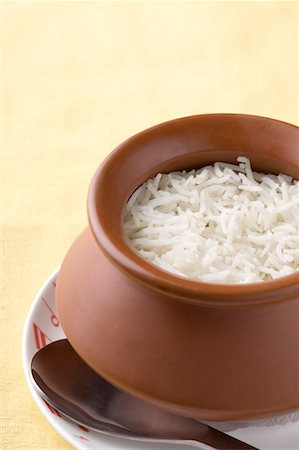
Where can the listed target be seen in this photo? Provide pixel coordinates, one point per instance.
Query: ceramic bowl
(210, 351)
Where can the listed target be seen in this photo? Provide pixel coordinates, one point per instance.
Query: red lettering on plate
(82, 427)
(53, 410)
(54, 318)
(82, 437)
(40, 337)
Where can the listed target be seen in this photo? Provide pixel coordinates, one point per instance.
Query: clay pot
(210, 351)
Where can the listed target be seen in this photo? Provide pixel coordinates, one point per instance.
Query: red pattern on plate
(53, 410)
(82, 427)
(40, 337)
(54, 318)
(81, 437)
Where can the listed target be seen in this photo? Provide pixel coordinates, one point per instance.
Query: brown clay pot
(210, 351)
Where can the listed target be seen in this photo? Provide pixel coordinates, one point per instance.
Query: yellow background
(79, 78)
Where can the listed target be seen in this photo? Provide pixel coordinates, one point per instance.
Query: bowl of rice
(184, 289)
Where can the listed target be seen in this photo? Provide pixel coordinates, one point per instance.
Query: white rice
(220, 224)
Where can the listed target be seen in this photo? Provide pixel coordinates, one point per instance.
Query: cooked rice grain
(220, 224)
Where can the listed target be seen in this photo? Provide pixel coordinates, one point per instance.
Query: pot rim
(123, 255)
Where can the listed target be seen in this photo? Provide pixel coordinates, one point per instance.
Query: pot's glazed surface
(211, 351)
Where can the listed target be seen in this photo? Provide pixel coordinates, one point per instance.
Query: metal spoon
(63, 379)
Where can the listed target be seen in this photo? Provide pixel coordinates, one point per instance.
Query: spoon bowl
(63, 379)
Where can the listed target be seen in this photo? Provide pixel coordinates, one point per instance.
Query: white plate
(42, 326)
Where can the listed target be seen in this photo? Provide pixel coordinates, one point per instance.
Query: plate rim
(59, 427)
(26, 329)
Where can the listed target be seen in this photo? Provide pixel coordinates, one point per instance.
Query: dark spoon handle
(221, 441)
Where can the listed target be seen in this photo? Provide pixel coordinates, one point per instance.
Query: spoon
(63, 379)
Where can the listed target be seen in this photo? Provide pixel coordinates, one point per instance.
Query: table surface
(79, 78)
